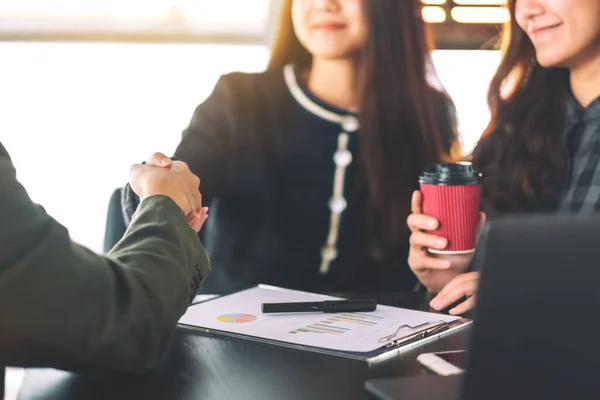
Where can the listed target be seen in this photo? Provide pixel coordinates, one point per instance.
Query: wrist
(151, 190)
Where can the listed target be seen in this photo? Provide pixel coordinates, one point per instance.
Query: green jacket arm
(64, 306)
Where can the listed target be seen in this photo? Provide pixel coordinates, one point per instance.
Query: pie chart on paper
(237, 318)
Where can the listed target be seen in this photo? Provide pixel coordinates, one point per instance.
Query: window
(76, 115)
(156, 20)
(457, 24)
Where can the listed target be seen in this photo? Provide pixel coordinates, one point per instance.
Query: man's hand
(159, 160)
(172, 179)
(195, 218)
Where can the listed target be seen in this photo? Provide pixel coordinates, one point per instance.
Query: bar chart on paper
(357, 332)
(340, 324)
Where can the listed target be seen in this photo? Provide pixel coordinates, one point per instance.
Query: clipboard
(393, 338)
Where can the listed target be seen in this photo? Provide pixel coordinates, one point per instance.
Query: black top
(264, 148)
(267, 153)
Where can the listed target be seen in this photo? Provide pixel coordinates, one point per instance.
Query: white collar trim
(304, 100)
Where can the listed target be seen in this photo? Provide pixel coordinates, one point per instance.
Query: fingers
(161, 175)
(196, 225)
(418, 258)
(195, 199)
(419, 262)
(416, 202)
(204, 217)
(482, 218)
(159, 160)
(195, 221)
(421, 239)
(198, 218)
(421, 222)
(459, 287)
(464, 307)
(134, 171)
(181, 164)
(192, 185)
(418, 221)
(135, 175)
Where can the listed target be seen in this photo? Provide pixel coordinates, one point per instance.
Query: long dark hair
(522, 152)
(405, 122)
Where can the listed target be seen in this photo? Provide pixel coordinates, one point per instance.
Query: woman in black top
(541, 150)
(309, 167)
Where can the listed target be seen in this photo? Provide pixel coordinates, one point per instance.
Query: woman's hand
(434, 271)
(464, 285)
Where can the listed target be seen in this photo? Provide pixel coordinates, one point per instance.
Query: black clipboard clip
(418, 332)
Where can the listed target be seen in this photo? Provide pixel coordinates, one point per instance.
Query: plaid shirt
(582, 192)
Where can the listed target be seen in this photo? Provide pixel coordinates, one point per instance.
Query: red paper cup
(452, 195)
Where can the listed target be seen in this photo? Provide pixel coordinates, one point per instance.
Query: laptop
(536, 333)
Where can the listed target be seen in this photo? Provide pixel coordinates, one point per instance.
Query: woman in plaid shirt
(541, 150)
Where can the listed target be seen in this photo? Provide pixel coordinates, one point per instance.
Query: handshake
(163, 176)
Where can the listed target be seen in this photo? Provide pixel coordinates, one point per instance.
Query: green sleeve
(64, 306)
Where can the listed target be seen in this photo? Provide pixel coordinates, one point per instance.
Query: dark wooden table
(203, 366)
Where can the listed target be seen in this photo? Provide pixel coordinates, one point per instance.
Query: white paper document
(240, 313)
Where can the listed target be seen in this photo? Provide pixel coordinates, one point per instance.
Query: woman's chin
(327, 53)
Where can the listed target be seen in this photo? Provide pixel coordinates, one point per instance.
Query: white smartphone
(445, 363)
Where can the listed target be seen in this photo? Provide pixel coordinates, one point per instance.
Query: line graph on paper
(339, 324)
